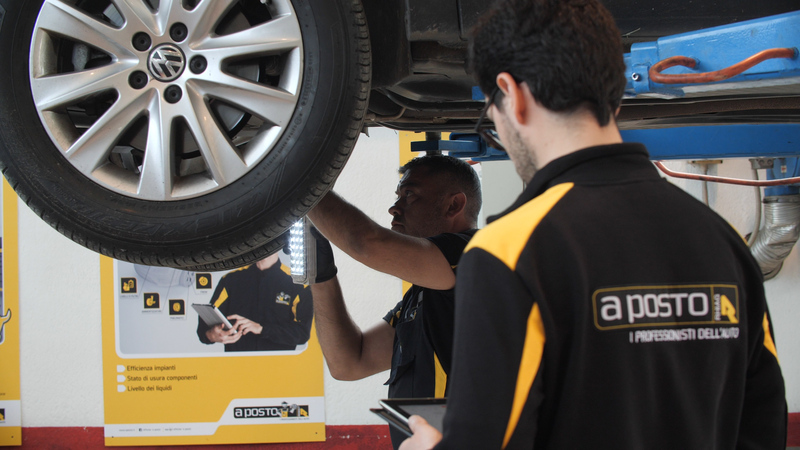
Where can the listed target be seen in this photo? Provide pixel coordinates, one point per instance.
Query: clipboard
(211, 315)
(396, 412)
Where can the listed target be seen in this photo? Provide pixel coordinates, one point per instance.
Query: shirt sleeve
(493, 335)
(764, 413)
(452, 245)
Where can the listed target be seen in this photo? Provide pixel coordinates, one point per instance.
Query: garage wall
(737, 205)
(60, 296)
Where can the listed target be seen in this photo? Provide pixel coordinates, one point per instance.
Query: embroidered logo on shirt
(283, 298)
(677, 306)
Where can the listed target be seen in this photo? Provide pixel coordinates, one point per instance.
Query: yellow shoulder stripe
(768, 342)
(286, 269)
(440, 377)
(222, 297)
(532, 352)
(506, 237)
(294, 307)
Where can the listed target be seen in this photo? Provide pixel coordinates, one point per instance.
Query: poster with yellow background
(166, 381)
(10, 423)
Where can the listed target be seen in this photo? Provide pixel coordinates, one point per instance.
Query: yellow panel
(9, 348)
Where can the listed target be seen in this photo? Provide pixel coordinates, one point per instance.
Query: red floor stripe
(340, 437)
(793, 436)
(343, 437)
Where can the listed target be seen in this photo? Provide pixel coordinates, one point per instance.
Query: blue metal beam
(715, 49)
(704, 142)
(719, 141)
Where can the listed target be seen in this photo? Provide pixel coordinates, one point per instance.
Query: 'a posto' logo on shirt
(679, 305)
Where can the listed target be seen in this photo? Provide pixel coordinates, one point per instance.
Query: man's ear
(458, 202)
(514, 98)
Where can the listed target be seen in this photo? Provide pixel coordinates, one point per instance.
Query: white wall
(60, 298)
(737, 205)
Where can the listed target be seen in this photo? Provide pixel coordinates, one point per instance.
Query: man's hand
(243, 325)
(425, 436)
(326, 267)
(220, 335)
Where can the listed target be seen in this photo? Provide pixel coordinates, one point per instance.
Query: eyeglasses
(486, 130)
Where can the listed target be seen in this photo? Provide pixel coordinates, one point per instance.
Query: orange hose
(710, 77)
(695, 176)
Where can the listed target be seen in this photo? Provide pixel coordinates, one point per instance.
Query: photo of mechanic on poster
(164, 335)
(157, 310)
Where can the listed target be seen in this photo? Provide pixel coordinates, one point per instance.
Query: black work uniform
(423, 340)
(608, 308)
(271, 299)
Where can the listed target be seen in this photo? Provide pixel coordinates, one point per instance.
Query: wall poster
(10, 412)
(171, 379)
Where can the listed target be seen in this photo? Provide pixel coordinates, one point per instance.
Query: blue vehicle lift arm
(711, 50)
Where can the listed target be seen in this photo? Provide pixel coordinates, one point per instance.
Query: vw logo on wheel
(166, 62)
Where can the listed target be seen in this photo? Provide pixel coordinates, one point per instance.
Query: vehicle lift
(761, 54)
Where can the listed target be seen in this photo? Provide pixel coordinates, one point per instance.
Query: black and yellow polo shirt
(423, 342)
(270, 298)
(607, 308)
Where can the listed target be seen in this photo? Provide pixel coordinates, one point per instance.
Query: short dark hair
(568, 52)
(455, 173)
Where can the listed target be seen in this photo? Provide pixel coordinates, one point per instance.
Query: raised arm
(416, 260)
(351, 354)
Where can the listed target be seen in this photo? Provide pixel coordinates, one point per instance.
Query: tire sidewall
(260, 203)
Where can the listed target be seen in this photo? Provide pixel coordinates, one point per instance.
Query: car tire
(91, 176)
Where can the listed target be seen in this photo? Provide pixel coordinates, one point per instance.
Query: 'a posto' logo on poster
(177, 307)
(202, 281)
(2, 415)
(127, 285)
(268, 412)
(152, 300)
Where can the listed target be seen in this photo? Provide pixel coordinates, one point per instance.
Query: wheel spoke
(275, 36)
(136, 12)
(64, 20)
(206, 17)
(156, 180)
(91, 150)
(51, 92)
(265, 102)
(223, 161)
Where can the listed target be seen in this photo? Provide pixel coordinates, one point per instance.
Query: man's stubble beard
(432, 226)
(524, 159)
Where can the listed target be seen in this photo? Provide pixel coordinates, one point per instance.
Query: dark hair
(454, 173)
(568, 52)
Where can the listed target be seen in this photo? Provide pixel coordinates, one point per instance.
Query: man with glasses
(605, 308)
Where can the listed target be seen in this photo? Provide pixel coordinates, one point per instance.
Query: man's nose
(395, 209)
